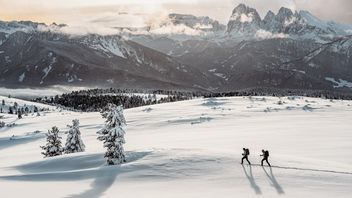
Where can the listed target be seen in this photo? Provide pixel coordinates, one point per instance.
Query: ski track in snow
(306, 169)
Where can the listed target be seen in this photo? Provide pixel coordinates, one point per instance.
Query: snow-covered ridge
(110, 45)
(27, 26)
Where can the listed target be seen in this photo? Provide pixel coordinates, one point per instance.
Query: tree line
(267, 91)
(96, 99)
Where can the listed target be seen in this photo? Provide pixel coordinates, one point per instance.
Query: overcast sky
(140, 12)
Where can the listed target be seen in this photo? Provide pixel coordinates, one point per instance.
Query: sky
(137, 13)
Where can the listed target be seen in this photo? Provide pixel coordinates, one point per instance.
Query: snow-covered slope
(10, 102)
(327, 26)
(190, 149)
(24, 26)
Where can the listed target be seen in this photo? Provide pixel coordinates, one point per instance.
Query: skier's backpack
(247, 151)
(267, 153)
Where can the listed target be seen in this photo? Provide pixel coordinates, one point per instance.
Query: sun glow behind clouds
(72, 11)
(137, 13)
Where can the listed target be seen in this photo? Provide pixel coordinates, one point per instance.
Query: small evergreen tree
(10, 110)
(19, 114)
(26, 111)
(74, 142)
(53, 145)
(2, 124)
(113, 134)
(3, 102)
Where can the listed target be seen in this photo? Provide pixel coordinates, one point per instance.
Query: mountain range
(290, 49)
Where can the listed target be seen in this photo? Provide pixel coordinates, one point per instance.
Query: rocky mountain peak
(269, 16)
(245, 14)
(284, 15)
(241, 8)
(285, 12)
(244, 19)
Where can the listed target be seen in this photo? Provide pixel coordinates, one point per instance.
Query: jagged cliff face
(289, 49)
(246, 20)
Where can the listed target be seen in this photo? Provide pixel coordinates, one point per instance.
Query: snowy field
(189, 149)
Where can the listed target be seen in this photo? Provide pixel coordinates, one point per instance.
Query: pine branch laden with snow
(74, 141)
(113, 134)
(53, 146)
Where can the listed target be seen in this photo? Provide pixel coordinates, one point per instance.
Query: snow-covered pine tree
(53, 145)
(2, 124)
(113, 134)
(74, 141)
(35, 109)
(10, 110)
(19, 114)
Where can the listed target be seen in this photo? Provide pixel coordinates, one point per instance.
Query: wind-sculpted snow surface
(189, 149)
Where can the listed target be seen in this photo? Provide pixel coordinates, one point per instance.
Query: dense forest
(97, 99)
(262, 91)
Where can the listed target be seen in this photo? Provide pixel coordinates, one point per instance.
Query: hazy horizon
(134, 13)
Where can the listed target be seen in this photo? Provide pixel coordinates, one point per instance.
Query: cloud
(176, 30)
(263, 34)
(103, 16)
(158, 23)
(80, 29)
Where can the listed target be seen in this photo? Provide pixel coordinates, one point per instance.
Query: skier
(245, 155)
(265, 157)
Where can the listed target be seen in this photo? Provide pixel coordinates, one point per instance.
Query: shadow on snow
(74, 168)
(251, 180)
(273, 181)
(17, 140)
